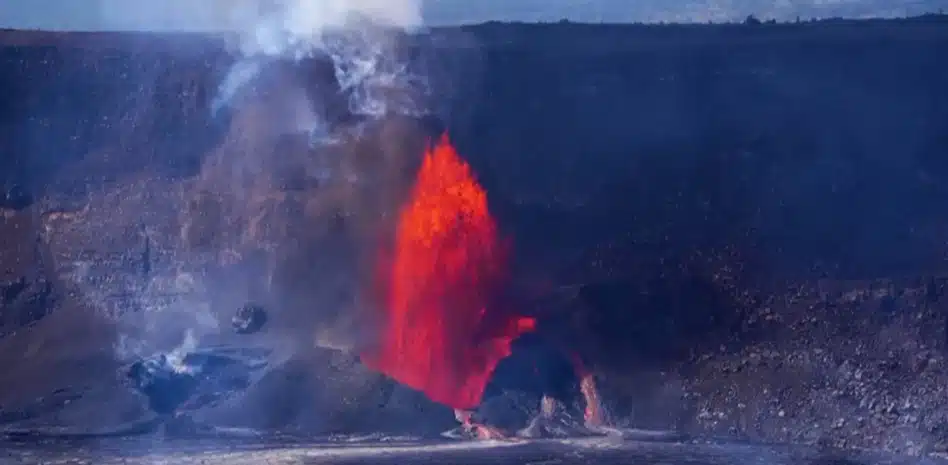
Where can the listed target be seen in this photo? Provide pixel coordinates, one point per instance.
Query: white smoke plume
(232, 15)
(354, 34)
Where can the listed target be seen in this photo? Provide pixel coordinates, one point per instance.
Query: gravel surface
(846, 364)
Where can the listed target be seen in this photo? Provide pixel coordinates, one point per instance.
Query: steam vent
(347, 236)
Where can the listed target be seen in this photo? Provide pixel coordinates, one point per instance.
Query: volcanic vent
(442, 334)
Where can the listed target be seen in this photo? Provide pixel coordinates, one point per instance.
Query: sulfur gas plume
(358, 36)
(442, 333)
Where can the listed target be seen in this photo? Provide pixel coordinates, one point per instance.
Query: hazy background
(217, 14)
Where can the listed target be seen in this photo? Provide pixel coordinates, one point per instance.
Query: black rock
(536, 368)
(509, 410)
(249, 319)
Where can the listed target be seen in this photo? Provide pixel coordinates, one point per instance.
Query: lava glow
(442, 335)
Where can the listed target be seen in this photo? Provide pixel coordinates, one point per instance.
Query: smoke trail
(240, 75)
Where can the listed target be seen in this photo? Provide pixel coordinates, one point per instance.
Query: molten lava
(442, 335)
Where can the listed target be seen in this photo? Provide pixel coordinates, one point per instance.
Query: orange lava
(442, 335)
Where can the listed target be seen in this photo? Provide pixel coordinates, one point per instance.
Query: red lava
(441, 335)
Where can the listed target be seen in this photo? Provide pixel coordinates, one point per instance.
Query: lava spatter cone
(441, 334)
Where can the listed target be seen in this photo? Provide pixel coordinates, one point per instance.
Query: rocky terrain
(856, 364)
(739, 225)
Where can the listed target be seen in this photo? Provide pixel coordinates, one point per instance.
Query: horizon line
(763, 21)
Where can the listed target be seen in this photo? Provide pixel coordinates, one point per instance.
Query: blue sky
(204, 14)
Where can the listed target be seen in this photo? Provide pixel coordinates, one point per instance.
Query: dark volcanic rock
(249, 319)
(836, 370)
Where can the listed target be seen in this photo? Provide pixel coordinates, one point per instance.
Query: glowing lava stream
(442, 335)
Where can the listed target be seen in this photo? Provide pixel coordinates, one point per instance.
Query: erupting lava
(442, 335)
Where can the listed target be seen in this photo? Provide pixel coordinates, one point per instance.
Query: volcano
(442, 334)
(739, 227)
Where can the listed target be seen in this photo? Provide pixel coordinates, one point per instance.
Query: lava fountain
(442, 334)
